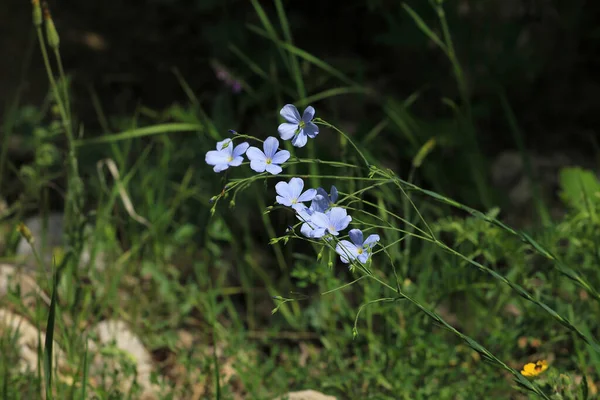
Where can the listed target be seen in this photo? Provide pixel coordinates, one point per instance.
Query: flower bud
(37, 13)
(25, 232)
(51, 33)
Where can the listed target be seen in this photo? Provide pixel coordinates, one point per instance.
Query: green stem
(327, 124)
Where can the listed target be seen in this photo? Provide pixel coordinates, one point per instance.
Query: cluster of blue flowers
(322, 219)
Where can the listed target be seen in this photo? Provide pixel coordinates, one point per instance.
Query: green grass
(200, 266)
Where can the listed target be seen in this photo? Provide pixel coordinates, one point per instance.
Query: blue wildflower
(268, 160)
(296, 128)
(290, 194)
(357, 249)
(304, 214)
(332, 221)
(328, 199)
(226, 155)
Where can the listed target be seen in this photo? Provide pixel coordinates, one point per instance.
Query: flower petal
(309, 114)
(371, 241)
(255, 154)
(304, 214)
(306, 230)
(308, 195)
(284, 201)
(270, 145)
(356, 236)
(284, 189)
(236, 162)
(240, 149)
(224, 144)
(318, 233)
(334, 194)
(339, 218)
(214, 157)
(300, 139)
(346, 250)
(220, 167)
(258, 165)
(273, 169)
(296, 186)
(322, 192)
(287, 130)
(290, 113)
(320, 220)
(281, 156)
(363, 257)
(311, 130)
(298, 206)
(319, 203)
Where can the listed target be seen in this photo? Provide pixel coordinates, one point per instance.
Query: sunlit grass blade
(326, 94)
(270, 31)
(424, 27)
(141, 132)
(307, 57)
(287, 34)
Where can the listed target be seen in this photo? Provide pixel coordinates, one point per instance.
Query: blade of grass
(48, 345)
(141, 132)
(306, 56)
(518, 137)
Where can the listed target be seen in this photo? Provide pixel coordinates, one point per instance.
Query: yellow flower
(531, 369)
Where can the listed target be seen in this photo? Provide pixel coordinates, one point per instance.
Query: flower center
(230, 159)
(301, 125)
(294, 201)
(269, 161)
(359, 250)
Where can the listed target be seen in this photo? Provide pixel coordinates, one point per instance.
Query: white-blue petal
(255, 154)
(220, 167)
(318, 233)
(346, 250)
(290, 113)
(363, 257)
(299, 140)
(371, 241)
(306, 230)
(356, 236)
(258, 165)
(287, 130)
(308, 195)
(284, 201)
(339, 218)
(214, 157)
(270, 145)
(284, 190)
(309, 114)
(281, 156)
(296, 186)
(311, 130)
(222, 143)
(240, 149)
(273, 169)
(237, 161)
(320, 220)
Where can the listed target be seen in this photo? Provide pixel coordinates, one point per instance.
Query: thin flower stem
(61, 107)
(344, 286)
(327, 124)
(318, 161)
(63, 79)
(390, 213)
